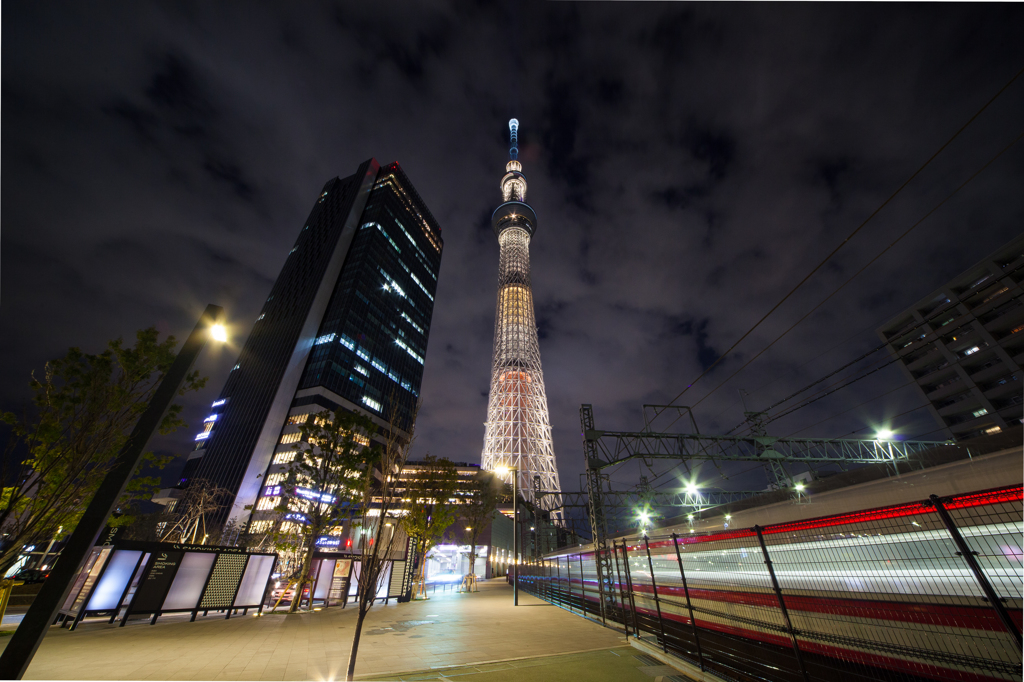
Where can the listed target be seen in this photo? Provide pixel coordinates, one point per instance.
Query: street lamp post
(502, 471)
(36, 623)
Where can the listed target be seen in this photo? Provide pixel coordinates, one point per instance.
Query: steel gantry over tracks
(604, 449)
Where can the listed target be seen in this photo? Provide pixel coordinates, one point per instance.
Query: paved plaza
(449, 631)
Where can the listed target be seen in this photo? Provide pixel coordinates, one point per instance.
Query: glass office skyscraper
(345, 325)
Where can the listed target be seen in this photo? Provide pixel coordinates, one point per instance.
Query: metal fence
(930, 590)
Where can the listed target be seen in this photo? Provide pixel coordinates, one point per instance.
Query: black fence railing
(930, 590)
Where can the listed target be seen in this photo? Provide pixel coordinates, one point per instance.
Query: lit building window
(267, 503)
(979, 413)
(291, 438)
(284, 457)
(298, 418)
(972, 350)
(367, 400)
(263, 526)
(993, 429)
(274, 479)
(326, 338)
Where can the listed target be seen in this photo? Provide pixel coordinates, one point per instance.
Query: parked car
(31, 575)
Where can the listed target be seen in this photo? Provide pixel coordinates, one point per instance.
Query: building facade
(518, 428)
(963, 346)
(345, 325)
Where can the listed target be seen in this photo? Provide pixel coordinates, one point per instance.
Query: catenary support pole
(968, 555)
(782, 603)
(36, 623)
(689, 606)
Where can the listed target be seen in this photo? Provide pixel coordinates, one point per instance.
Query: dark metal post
(583, 588)
(568, 578)
(515, 537)
(689, 606)
(782, 603)
(558, 570)
(657, 602)
(968, 555)
(629, 586)
(36, 623)
(619, 586)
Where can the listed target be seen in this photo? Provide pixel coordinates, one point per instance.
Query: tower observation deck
(518, 429)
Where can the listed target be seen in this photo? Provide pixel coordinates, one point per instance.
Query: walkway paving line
(476, 663)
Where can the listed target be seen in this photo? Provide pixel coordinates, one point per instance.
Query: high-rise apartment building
(963, 346)
(518, 429)
(345, 325)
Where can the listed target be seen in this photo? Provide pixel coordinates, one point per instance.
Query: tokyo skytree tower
(518, 430)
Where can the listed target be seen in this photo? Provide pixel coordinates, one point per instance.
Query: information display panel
(93, 565)
(324, 578)
(189, 581)
(340, 579)
(220, 590)
(107, 595)
(150, 595)
(254, 581)
(90, 575)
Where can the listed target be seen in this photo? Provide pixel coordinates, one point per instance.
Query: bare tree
(378, 540)
(201, 498)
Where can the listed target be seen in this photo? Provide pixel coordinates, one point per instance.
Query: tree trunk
(355, 644)
(307, 561)
(471, 578)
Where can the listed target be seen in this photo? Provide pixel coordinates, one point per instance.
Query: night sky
(689, 164)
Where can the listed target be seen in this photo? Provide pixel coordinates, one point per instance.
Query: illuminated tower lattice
(518, 430)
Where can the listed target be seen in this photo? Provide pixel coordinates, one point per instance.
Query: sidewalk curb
(691, 671)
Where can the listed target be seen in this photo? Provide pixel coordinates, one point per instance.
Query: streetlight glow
(691, 488)
(800, 486)
(884, 434)
(219, 332)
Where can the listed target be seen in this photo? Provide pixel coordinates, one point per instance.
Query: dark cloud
(689, 165)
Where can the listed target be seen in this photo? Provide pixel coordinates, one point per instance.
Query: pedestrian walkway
(447, 631)
(621, 664)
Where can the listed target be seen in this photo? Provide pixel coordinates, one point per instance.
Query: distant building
(963, 345)
(345, 325)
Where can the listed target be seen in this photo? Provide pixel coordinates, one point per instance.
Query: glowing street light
(691, 488)
(219, 332)
(884, 434)
(800, 487)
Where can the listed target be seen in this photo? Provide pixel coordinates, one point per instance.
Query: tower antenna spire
(513, 152)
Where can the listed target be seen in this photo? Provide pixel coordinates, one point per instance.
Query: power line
(839, 414)
(890, 419)
(842, 244)
(852, 381)
(925, 338)
(813, 384)
(866, 265)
